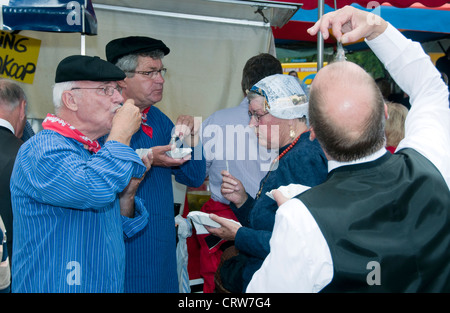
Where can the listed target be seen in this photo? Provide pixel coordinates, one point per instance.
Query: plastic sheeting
(184, 231)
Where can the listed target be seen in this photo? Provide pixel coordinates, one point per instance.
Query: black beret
(82, 67)
(120, 47)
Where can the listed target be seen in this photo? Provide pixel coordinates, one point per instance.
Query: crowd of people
(355, 196)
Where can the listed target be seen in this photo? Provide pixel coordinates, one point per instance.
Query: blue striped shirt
(150, 255)
(68, 231)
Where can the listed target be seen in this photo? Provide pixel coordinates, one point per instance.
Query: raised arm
(427, 128)
(428, 124)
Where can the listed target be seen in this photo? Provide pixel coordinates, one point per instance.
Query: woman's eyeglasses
(256, 116)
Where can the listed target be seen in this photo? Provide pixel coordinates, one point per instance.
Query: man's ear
(23, 109)
(122, 83)
(69, 101)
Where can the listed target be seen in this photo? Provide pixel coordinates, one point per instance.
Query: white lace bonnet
(285, 96)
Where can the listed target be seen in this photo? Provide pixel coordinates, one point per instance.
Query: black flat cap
(120, 47)
(82, 67)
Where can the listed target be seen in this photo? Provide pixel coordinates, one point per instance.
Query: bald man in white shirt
(380, 223)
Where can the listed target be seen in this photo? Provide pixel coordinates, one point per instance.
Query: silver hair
(253, 95)
(129, 62)
(11, 94)
(58, 90)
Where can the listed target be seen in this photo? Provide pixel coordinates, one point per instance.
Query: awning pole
(83, 44)
(83, 30)
(320, 42)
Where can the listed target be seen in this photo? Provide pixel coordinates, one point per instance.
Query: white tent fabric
(210, 42)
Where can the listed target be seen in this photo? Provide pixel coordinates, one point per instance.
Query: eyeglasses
(256, 116)
(105, 91)
(151, 74)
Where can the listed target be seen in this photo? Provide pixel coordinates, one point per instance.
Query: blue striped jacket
(68, 231)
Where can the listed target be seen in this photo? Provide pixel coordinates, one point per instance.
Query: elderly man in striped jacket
(73, 199)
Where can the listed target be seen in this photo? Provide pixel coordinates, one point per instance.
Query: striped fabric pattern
(150, 255)
(67, 225)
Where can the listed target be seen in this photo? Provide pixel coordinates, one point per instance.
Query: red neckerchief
(60, 126)
(145, 127)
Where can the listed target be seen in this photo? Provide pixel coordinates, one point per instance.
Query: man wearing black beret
(151, 258)
(73, 199)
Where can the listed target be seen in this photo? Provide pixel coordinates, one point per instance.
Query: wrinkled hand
(126, 122)
(160, 158)
(349, 25)
(232, 189)
(227, 230)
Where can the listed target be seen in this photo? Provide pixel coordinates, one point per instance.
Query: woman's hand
(228, 229)
(232, 189)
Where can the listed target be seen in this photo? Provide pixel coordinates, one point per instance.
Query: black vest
(387, 224)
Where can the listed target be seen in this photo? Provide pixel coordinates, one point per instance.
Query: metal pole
(320, 42)
(83, 31)
(83, 44)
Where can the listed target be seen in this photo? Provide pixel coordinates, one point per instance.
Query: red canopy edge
(312, 4)
(297, 31)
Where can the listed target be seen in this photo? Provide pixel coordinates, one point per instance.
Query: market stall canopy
(312, 4)
(79, 15)
(49, 16)
(210, 41)
(222, 11)
(434, 17)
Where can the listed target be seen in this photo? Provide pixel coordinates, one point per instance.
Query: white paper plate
(289, 191)
(142, 152)
(201, 218)
(179, 153)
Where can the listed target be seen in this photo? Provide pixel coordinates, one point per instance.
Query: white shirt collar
(7, 124)
(332, 164)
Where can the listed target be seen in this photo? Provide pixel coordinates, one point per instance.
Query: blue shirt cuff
(131, 226)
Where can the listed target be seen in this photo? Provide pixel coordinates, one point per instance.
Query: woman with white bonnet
(278, 106)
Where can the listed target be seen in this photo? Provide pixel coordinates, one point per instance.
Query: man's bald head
(346, 111)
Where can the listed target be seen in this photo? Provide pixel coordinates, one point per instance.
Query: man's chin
(157, 96)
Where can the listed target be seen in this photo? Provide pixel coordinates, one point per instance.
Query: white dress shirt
(300, 259)
(7, 124)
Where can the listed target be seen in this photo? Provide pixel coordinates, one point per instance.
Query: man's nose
(159, 78)
(117, 96)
